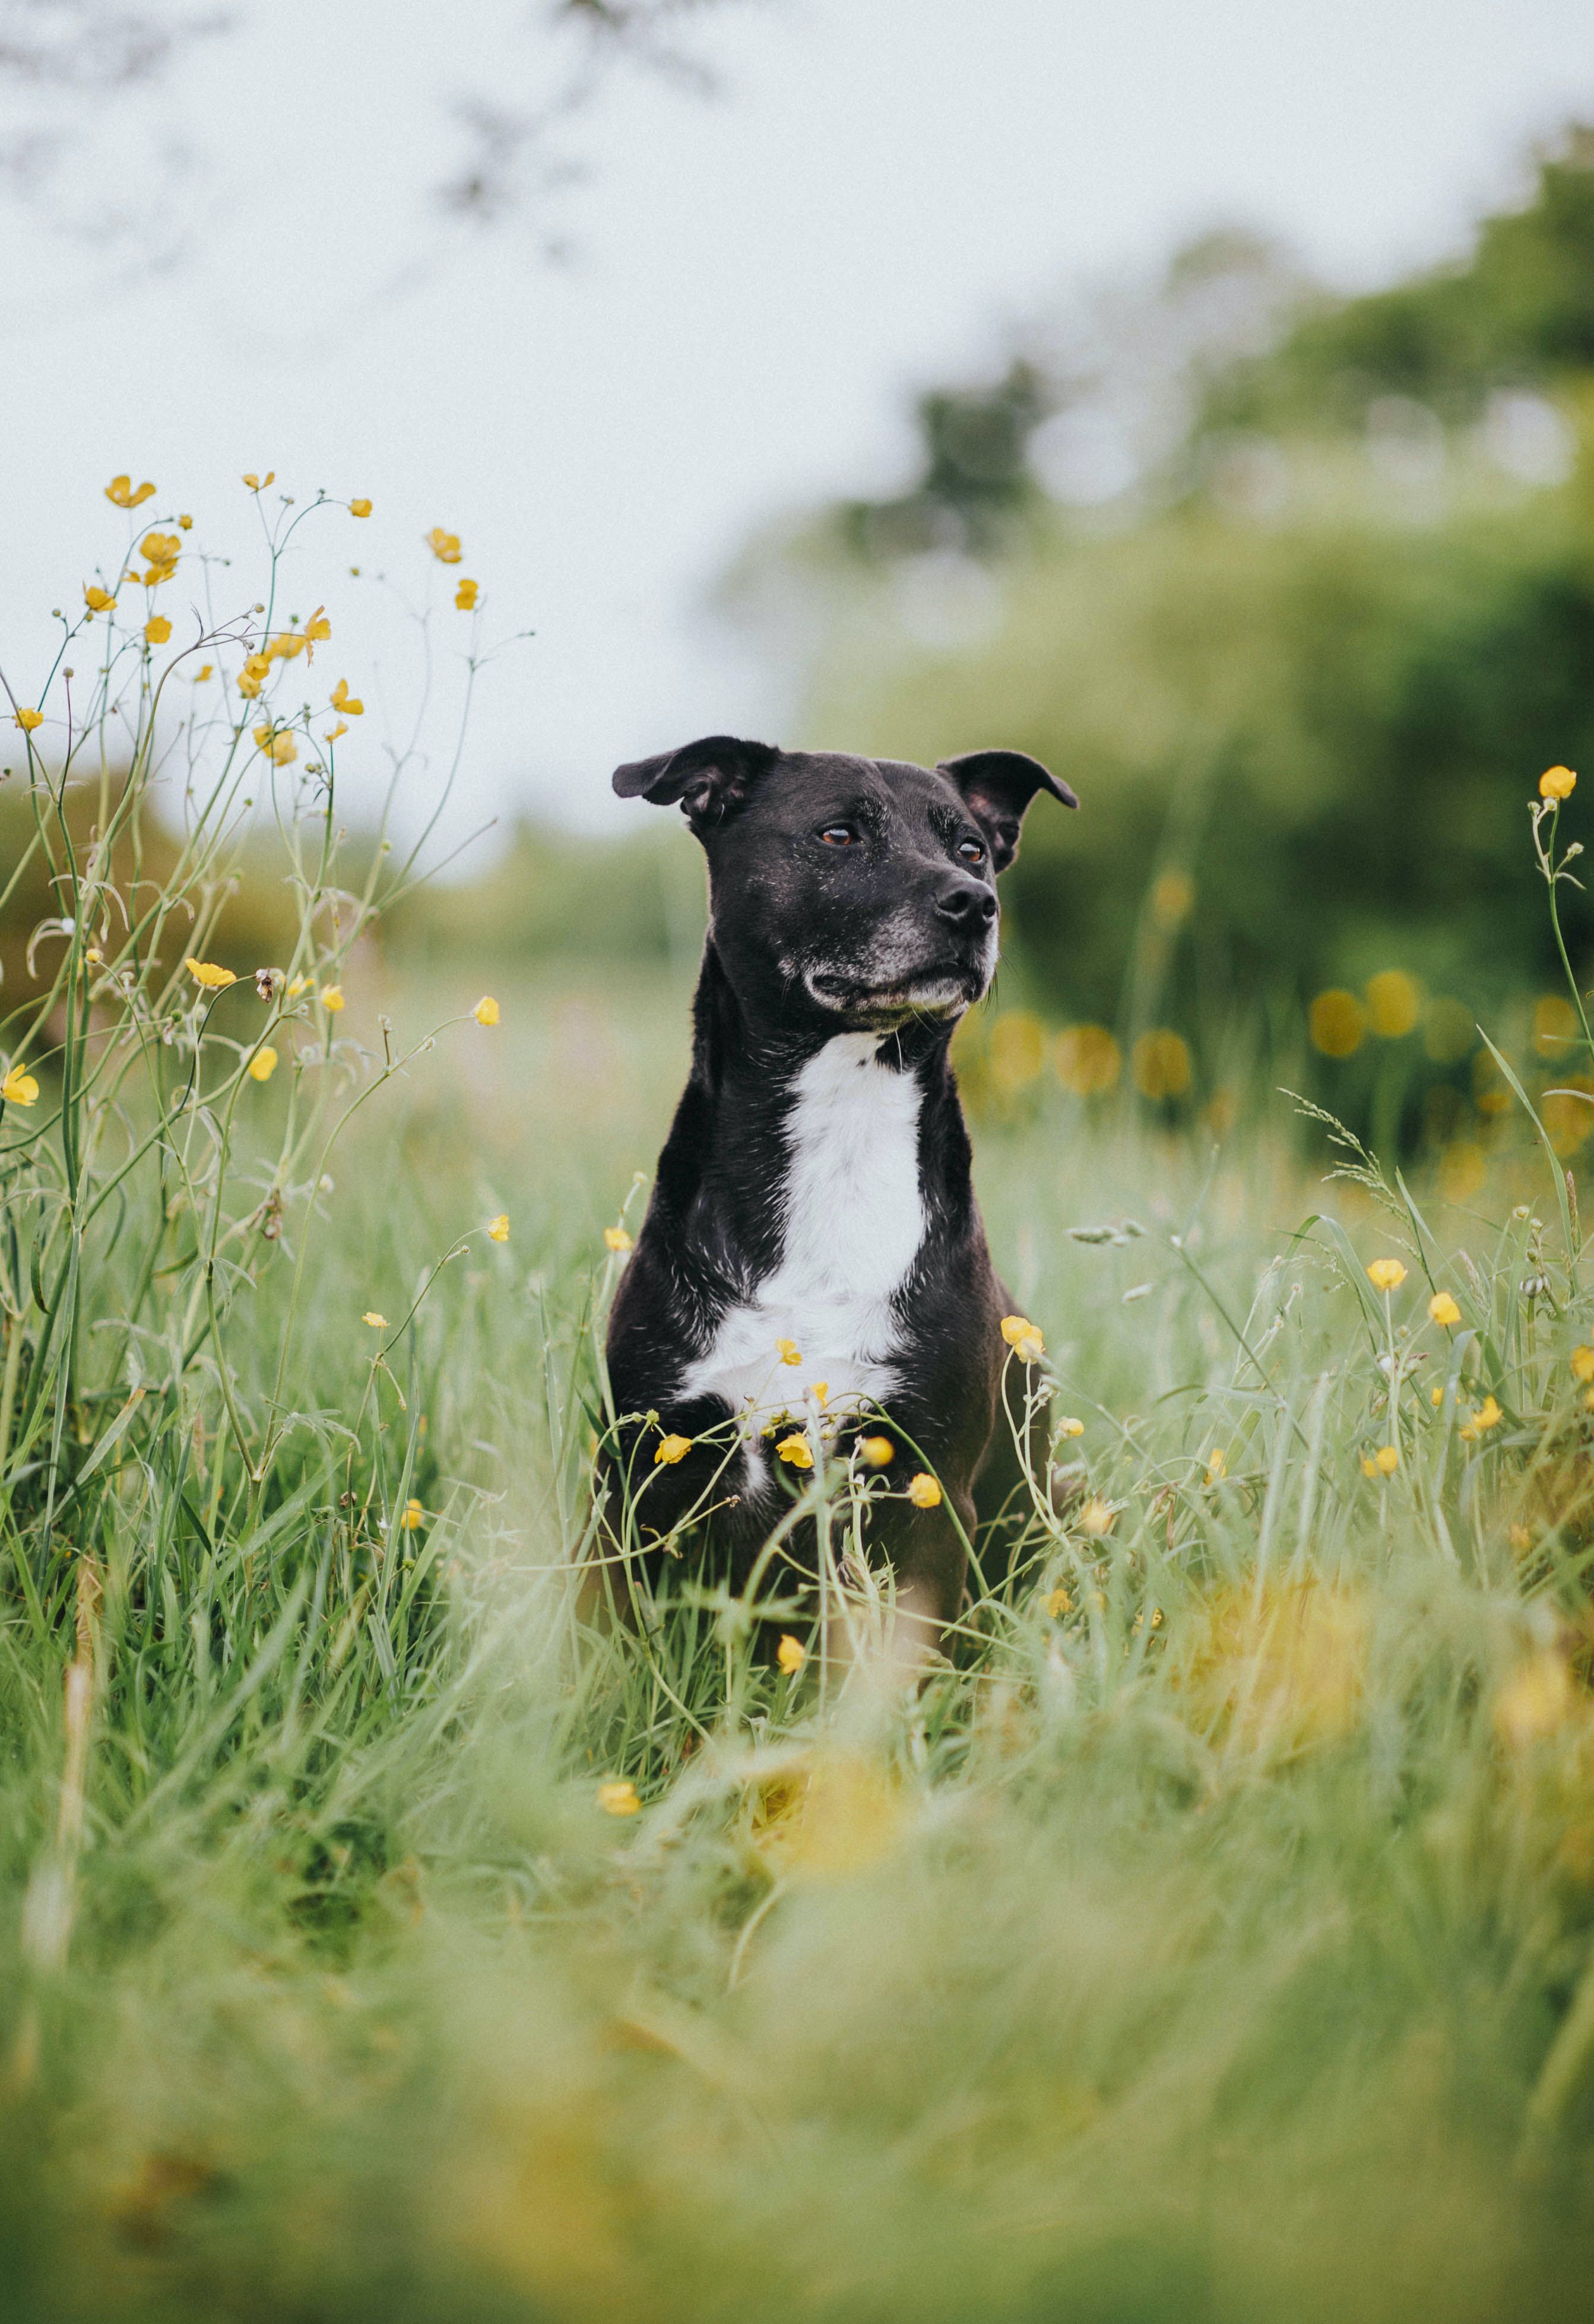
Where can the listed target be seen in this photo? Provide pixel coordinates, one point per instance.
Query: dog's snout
(968, 904)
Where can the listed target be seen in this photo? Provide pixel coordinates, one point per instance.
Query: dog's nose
(968, 904)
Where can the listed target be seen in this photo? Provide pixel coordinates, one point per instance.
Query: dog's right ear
(711, 778)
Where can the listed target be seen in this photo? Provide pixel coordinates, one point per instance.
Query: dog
(813, 1260)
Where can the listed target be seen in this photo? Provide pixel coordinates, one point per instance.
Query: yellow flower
(259, 484)
(162, 549)
(498, 1228)
(1058, 1603)
(1394, 1002)
(444, 546)
(876, 1451)
(276, 742)
(286, 646)
(19, 1087)
(1520, 1538)
(206, 972)
(1023, 1338)
(157, 628)
(332, 999)
(1336, 1023)
(464, 596)
(359, 508)
(121, 491)
(486, 1011)
(1557, 783)
(1443, 1309)
(94, 957)
(1160, 1065)
(1386, 1460)
(345, 702)
(99, 601)
(924, 1492)
(1534, 1700)
(619, 1799)
(1488, 1416)
(1582, 1363)
(298, 984)
(263, 1065)
(414, 1516)
(28, 719)
(1069, 1425)
(788, 1351)
(316, 631)
(186, 522)
(794, 1450)
(333, 732)
(207, 669)
(669, 1450)
(1097, 1516)
(617, 1238)
(377, 1323)
(791, 1654)
(1386, 1275)
(1436, 1396)
(1087, 1059)
(820, 1392)
(1216, 1464)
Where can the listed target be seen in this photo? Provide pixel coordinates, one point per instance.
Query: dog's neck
(761, 1084)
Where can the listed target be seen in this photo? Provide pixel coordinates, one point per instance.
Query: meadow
(388, 1931)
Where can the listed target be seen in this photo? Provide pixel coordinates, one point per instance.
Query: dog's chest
(853, 1221)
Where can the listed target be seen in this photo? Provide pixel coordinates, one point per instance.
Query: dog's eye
(971, 851)
(839, 835)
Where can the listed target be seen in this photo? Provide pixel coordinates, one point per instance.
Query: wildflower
(464, 596)
(1160, 1065)
(414, 1516)
(263, 1065)
(94, 957)
(276, 742)
(876, 1451)
(28, 719)
(1386, 1460)
(259, 484)
(1488, 1416)
(1058, 1604)
(486, 1011)
(1583, 1364)
(297, 985)
(1088, 1060)
(122, 491)
(1336, 1023)
(820, 1392)
(19, 1087)
(1069, 1425)
(286, 646)
(1216, 1464)
(924, 1492)
(332, 999)
(1386, 1275)
(162, 549)
(1534, 1700)
(343, 702)
(1023, 1338)
(157, 628)
(1557, 783)
(1394, 1003)
(789, 1352)
(316, 631)
(1520, 1538)
(333, 732)
(186, 522)
(207, 973)
(444, 546)
(617, 1238)
(377, 1323)
(1443, 1309)
(498, 1228)
(1436, 1395)
(791, 1654)
(1097, 1516)
(796, 1450)
(99, 601)
(359, 508)
(206, 670)
(669, 1450)
(619, 1799)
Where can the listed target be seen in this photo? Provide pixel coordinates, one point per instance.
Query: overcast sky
(761, 283)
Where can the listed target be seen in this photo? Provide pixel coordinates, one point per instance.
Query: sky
(756, 286)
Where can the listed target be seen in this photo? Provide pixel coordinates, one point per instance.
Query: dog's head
(863, 890)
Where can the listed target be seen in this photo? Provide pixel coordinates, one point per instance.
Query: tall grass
(387, 1932)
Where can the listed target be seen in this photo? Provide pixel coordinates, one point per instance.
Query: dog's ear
(711, 778)
(997, 786)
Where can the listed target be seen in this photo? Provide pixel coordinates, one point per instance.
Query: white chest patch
(854, 1221)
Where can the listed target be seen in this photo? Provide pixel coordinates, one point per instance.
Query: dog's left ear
(709, 777)
(997, 786)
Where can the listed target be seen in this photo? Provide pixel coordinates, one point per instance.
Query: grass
(1211, 1939)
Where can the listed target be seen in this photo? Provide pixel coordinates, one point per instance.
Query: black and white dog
(812, 1254)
